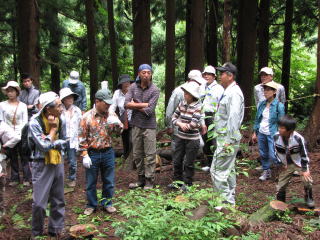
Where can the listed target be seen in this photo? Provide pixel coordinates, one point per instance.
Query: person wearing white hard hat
(266, 75)
(47, 131)
(15, 114)
(76, 86)
(187, 117)
(211, 93)
(72, 116)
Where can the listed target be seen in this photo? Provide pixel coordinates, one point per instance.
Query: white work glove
(86, 161)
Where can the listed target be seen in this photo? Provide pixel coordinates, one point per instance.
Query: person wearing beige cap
(187, 117)
(15, 114)
(72, 116)
(268, 114)
(266, 75)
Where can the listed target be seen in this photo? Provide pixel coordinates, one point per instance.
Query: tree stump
(268, 212)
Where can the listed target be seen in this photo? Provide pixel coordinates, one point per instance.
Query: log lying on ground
(268, 212)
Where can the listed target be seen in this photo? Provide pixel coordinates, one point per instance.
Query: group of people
(46, 128)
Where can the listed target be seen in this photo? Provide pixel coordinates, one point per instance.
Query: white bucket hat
(209, 69)
(266, 70)
(13, 84)
(196, 75)
(47, 98)
(193, 88)
(74, 77)
(65, 92)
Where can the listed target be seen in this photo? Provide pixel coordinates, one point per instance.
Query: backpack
(27, 144)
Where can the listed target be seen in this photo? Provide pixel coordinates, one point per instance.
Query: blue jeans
(72, 160)
(103, 162)
(266, 150)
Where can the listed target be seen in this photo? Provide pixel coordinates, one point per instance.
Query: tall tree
(286, 56)
(28, 27)
(212, 33)
(263, 33)
(227, 20)
(113, 44)
(141, 33)
(246, 46)
(170, 49)
(92, 48)
(197, 27)
(312, 131)
(52, 23)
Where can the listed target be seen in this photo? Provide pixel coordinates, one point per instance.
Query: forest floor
(252, 194)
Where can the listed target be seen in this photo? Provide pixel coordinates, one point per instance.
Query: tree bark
(54, 47)
(246, 47)
(187, 39)
(92, 49)
(113, 45)
(286, 56)
(141, 33)
(263, 34)
(227, 20)
(170, 49)
(28, 27)
(212, 35)
(197, 34)
(312, 131)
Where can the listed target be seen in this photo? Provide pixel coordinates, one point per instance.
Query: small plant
(82, 218)
(77, 210)
(284, 216)
(250, 236)
(311, 225)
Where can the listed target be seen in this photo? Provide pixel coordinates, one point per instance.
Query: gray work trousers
(223, 172)
(48, 187)
(144, 151)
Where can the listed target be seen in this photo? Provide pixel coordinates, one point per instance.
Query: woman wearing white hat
(15, 114)
(72, 115)
(187, 141)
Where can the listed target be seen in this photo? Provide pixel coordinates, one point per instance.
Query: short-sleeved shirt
(147, 118)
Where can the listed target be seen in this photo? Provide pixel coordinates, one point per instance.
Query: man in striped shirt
(187, 118)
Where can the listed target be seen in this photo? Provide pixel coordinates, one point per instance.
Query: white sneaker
(206, 169)
(266, 174)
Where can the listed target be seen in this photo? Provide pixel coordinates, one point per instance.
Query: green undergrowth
(157, 215)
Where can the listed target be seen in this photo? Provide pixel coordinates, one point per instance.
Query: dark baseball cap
(104, 95)
(124, 78)
(228, 67)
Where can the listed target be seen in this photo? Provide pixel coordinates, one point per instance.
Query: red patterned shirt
(93, 132)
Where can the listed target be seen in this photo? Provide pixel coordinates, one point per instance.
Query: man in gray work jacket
(46, 138)
(228, 120)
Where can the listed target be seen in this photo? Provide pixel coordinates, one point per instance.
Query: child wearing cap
(188, 119)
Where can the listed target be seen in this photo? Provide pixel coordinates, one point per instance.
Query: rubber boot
(140, 183)
(281, 196)
(308, 197)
